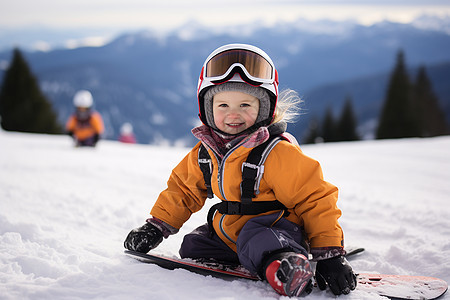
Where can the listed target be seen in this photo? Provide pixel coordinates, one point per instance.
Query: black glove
(338, 273)
(144, 238)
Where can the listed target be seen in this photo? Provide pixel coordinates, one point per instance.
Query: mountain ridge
(148, 81)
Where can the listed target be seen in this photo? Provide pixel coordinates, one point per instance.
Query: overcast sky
(172, 13)
(164, 15)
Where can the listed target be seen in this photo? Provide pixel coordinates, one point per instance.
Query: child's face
(234, 111)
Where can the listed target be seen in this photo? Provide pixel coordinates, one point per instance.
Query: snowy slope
(64, 213)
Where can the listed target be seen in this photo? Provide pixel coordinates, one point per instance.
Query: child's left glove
(337, 273)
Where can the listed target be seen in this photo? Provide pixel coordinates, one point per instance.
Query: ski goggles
(222, 65)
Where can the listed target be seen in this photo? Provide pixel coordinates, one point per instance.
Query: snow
(65, 211)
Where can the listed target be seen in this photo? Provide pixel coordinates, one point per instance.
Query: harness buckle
(206, 161)
(252, 166)
(259, 169)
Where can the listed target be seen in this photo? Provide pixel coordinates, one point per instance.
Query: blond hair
(288, 106)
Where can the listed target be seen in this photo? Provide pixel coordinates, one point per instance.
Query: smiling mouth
(235, 124)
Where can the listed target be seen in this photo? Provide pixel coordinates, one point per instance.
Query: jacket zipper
(220, 171)
(220, 175)
(223, 230)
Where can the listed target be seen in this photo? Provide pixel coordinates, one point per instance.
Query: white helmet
(83, 98)
(238, 63)
(126, 129)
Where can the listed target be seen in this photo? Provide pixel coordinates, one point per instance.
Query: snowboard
(391, 286)
(206, 267)
(402, 286)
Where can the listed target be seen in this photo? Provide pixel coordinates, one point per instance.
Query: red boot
(289, 274)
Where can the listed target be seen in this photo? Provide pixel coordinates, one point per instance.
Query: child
(293, 213)
(85, 126)
(126, 134)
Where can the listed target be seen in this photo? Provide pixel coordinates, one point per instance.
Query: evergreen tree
(431, 116)
(398, 117)
(346, 126)
(329, 127)
(23, 107)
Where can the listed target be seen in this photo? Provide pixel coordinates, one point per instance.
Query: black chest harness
(252, 172)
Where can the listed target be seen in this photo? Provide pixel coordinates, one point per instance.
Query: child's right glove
(337, 273)
(144, 238)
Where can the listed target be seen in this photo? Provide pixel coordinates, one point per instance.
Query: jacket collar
(205, 135)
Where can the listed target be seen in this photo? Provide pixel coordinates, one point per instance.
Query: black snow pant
(259, 237)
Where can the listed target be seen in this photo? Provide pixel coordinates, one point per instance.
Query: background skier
(85, 125)
(126, 134)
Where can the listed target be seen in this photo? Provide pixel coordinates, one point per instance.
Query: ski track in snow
(64, 213)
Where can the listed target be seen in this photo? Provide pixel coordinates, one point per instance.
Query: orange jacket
(289, 177)
(85, 130)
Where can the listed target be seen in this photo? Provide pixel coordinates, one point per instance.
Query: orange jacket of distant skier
(83, 130)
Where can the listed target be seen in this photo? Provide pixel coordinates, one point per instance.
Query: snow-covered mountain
(65, 212)
(150, 80)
